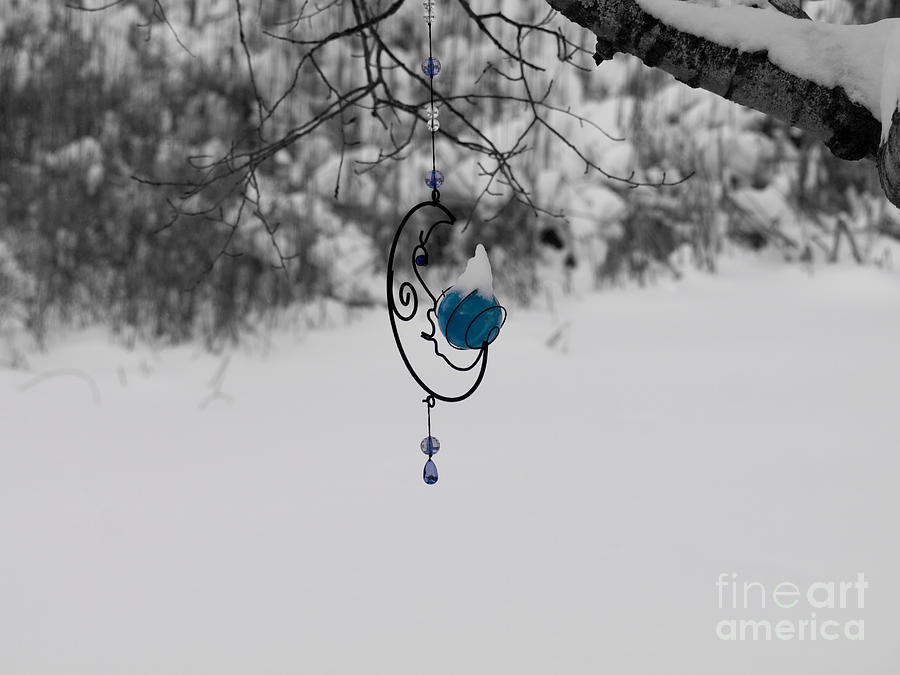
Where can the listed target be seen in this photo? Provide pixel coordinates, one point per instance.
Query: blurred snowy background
(211, 461)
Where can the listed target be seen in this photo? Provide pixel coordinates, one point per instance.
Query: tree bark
(847, 128)
(789, 7)
(889, 162)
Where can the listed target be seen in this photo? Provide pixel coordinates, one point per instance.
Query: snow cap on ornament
(469, 315)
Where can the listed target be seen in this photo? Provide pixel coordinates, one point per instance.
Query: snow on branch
(836, 82)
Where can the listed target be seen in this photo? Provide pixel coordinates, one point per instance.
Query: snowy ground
(587, 502)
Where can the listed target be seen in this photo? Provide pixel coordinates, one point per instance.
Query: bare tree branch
(888, 161)
(749, 78)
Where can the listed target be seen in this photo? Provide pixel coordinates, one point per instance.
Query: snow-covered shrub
(16, 290)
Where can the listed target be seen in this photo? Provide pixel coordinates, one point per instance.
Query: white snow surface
(588, 500)
(852, 57)
(477, 275)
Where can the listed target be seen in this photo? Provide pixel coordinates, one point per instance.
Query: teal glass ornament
(469, 320)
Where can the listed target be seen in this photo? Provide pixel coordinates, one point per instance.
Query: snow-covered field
(588, 500)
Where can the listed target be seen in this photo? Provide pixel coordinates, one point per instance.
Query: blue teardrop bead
(421, 260)
(430, 473)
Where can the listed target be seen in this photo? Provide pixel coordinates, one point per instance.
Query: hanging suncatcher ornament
(467, 313)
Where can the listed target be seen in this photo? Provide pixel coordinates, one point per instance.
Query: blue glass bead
(429, 474)
(421, 260)
(468, 321)
(431, 66)
(434, 179)
(430, 445)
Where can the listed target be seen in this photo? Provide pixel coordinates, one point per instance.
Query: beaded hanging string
(468, 320)
(430, 446)
(432, 67)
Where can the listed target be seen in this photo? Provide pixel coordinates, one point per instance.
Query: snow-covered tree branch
(839, 83)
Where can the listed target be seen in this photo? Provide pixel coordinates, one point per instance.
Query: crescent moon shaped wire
(403, 305)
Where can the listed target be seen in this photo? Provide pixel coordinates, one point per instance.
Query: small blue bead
(429, 475)
(430, 445)
(431, 66)
(434, 179)
(421, 260)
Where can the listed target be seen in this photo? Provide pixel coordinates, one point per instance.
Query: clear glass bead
(434, 179)
(429, 13)
(433, 125)
(431, 66)
(430, 445)
(432, 112)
